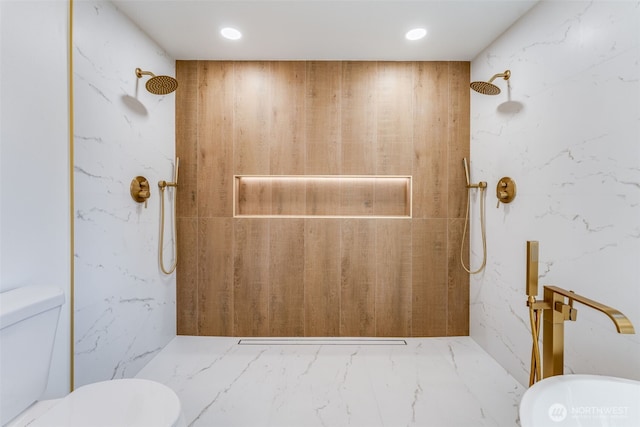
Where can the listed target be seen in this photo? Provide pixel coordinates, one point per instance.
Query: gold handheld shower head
(158, 85)
(488, 88)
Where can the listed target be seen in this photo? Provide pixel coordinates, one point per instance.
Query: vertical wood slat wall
(321, 276)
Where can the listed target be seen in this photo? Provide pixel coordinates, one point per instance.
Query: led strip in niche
(327, 196)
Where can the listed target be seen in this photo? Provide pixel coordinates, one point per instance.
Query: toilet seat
(116, 403)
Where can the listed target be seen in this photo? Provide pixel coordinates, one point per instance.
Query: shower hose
(534, 318)
(483, 232)
(161, 248)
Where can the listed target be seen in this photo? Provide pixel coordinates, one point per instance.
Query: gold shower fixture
(505, 190)
(139, 190)
(158, 85)
(553, 311)
(482, 185)
(488, 88)
(163, 185)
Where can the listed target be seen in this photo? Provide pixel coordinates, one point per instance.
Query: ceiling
(458, 30)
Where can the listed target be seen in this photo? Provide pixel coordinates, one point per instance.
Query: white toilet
(28, 321)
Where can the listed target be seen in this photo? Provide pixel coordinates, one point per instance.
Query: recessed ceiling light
(416, 34)
(231, 33)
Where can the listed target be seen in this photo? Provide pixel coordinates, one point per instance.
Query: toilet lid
(116, 403)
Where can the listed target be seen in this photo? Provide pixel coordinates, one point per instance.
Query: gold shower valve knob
(506, 190)
(140, 190)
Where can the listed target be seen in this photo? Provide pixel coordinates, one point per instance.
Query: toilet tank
(28, 322)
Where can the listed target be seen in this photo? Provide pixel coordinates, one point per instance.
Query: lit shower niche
(327, 196)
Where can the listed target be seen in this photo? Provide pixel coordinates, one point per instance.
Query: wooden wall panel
(215, 276)
(358, 277)
(187, 277)
(358, 118)
(393, 278)
(458, 283)
(431, 140)
(323, 118)
(251, 277)
(252, 114)
(215, 136)
(429, 278)
(187, 208)
(320, 276)
(187, 103)
(394, 117)
(459, 136)
(286, 277)
(286, 123)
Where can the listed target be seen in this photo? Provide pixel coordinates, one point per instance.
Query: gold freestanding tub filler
(555, 309)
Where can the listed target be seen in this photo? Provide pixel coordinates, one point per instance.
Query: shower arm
(141, 73)
(504, 75)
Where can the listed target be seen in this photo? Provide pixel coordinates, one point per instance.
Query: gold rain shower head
(158, 85)
(488, 88)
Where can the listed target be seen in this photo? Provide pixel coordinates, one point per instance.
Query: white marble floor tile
(440, 382)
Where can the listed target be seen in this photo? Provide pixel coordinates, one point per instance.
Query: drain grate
(321, 341)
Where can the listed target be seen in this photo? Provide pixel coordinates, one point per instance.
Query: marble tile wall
(567, 129)
(125, 307)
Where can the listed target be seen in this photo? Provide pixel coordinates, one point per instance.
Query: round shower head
(161, 85)
(488, 88)
(485, 88)
(158, 85)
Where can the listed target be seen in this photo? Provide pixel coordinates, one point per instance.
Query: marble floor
(440, 382)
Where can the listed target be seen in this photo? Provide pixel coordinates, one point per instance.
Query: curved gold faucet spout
(622, 322)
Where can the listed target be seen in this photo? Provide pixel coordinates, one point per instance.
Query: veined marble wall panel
(125, 306)
(567, 129)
